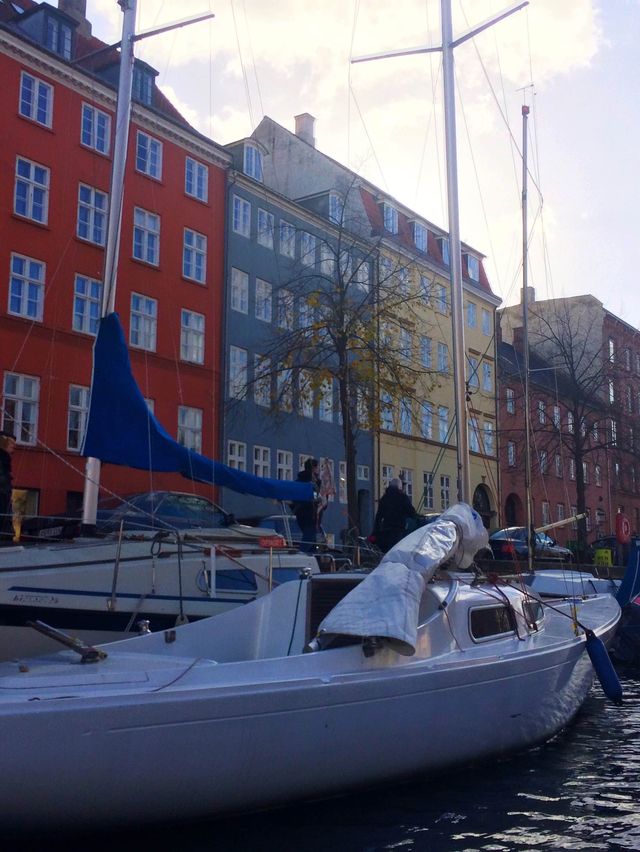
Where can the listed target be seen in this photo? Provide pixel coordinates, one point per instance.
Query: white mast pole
(525, 334)
(123, 115)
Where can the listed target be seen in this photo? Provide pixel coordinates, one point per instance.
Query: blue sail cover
(121, 429)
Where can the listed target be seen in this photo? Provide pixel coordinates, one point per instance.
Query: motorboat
(329, 683)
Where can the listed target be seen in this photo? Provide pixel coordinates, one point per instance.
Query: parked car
(144, 510)
(513, 543)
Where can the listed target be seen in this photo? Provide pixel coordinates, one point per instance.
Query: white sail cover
(386, 604)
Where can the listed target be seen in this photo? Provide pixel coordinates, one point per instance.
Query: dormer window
(142, 89)
(336, 208)
(390, 218)
(57, 36)
(420, 236)
(473, 267)
(443, 243)
(252, 162)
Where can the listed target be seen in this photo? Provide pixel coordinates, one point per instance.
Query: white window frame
(325, 401)
(262, 380)
(241, 218)
(237, 372)
(31, 192)
(445, 491)
(87, 304)
(264, 300)
(192, 336)
(261, 461)
(472, 315)
(266, 226)
(148, 155)
(287, 239)
(305, 393)
(33, 91)
(20, 407)
(27, 278)
(237, 454)
(420, 237)
(284, 464)
(510, 400)
(426, 420)
(146, 236)
(194, 256)
(95, 129)
(486, 322)
(93, 211)
(443, 358)
(307, 249)
(77, 412)
(143, 327)
(239, 291)
(196, 180)
(390, 218)
(252, 162)
(443, 424)
(284, 309)
(190, 427)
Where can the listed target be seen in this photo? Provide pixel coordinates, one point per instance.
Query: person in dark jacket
(7, 446)
(306, 511)
(394, 510)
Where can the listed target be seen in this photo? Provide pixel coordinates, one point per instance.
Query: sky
(573, 62)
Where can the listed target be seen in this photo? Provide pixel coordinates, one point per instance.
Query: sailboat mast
(112, 246)
(525, 332)
(455, 261)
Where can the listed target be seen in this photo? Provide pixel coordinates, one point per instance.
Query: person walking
(306, 511)
(394, 510)
(7, 446)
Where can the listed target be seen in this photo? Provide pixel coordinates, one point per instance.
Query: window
(31, 197)
(472, 371)
(474, 437)
(307, 249)
(614, 433)
(570, 422)
(305, 393)
(443, 358)
(390, 218)
(192, 337)
(87, 302)
(284, 387)
(572, 469)
(362, 274)
(241, 216)
(93, 207)
(36, 99)
(597, 474)
(265, 228)
(473, 267)
(511, 453)
(142, 87)
(144, 321)
(472, 315)
(585, 473)
(445, 492)
(542, 412)
(252, 162)
(336, 208)
(487, 377)
(405, 416)
(420, 236)
(237, 372)
(443, 244)
(190, 428)
(386, 412)
(327, 260)
(426, 420)
(362, 472)
(440, 298)
(443, 424)
(263, 300)
(196, 179)
(424, 289)
(405, 344)
(612, 392)
(284, 468)
(20, 407)
(427, 489)
(406, 476)
(148, 155)
(58, 37)
(546, 513)
(342, 482)
(95, 129)
(426, 352)
(146, 236)
(77, 415)
(194, 256)
(542, 461)
(287, 239)
(387, 474)
(237, 455)
(305, 313)
(489, 445)
(262, 380)
(558, 464)
(325, 401)
(261, 461)
(403, 281)
(559, 511)
(486, 323)
(611, 346)
(26, 287)
(239, 291)
(285, 309)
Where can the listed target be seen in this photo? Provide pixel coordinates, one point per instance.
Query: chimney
(77, 9)
(304, 128)
(531, 295)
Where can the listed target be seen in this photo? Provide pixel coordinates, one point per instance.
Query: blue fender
(603, 667)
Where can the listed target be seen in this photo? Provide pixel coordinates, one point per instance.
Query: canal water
(580, 791)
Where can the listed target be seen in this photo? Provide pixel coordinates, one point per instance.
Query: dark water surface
(581, 791)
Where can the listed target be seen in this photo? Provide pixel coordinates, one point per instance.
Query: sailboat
(328, 683)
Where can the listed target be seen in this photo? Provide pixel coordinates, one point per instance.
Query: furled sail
(121, 429)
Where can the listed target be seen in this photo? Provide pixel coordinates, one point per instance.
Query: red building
(55, 161)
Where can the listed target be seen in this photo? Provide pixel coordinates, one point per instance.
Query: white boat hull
(147, 737)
